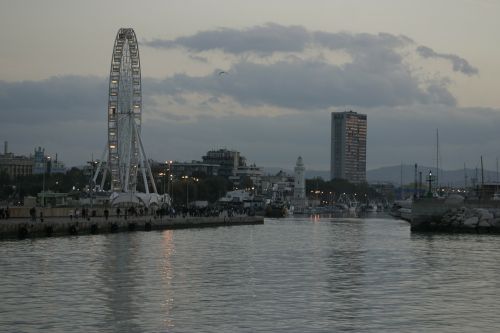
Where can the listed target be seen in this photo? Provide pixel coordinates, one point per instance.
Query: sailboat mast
(437, 159)
(401, 170)
(497, 171)
(482, 171)
(465, 177)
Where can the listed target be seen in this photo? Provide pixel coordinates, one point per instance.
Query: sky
(411, 66)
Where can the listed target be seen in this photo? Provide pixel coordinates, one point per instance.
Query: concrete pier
(60, 226)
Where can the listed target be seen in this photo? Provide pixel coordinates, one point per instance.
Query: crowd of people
(183, 211)
(130, 212)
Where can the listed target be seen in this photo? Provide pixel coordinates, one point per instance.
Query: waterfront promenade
(60, 226)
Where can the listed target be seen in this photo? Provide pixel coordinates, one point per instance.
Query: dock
(22, 227)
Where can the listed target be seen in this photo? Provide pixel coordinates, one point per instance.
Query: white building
(299, 189)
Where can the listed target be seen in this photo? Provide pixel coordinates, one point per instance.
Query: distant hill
(392, 174)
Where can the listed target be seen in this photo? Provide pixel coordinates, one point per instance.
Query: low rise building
(228, 161)
(279, 186)
(247, 175)
(15, 165)
(179, 169)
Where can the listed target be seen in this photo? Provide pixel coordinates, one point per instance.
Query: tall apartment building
(348, 146)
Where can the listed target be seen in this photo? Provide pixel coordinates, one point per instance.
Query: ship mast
(437, 160)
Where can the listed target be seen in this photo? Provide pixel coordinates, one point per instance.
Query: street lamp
(187, 189)
(186, 178)
(45, 163)
(162, 175)
(171, 183)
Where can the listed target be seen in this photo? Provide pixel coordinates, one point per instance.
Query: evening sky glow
(410, 66)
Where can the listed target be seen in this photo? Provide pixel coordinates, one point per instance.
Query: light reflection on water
(317, 274)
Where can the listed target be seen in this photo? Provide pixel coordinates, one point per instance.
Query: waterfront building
(278, 187)
(44, 164)
(228, 161)
(348, 146)
(179, 169)
(40, 161)
(15, 165)
(245, 173)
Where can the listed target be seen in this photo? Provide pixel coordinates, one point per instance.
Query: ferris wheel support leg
(98, 170)
(103, 180)
(141, 159)
(146, 163)
(127, 165)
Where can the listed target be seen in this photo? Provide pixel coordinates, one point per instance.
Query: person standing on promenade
(33, 214)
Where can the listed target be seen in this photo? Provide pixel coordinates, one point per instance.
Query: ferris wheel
(126, 157)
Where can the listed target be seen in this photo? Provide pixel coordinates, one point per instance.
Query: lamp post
(162, 175)
(187, 178)
(187, 189)
(168, 164)
(171, 183)
(45, 164)
(430, 180)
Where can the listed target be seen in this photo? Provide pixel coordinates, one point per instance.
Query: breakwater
(60, 226)
(454, 215)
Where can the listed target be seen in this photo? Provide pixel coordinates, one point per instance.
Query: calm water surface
(289, 275)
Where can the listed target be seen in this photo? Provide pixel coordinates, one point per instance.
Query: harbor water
(310, 274)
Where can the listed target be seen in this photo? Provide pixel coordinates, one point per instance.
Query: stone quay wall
(60, 226)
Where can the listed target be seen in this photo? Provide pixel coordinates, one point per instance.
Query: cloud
(265, 39)
(75, 127)
(459, 64)
(360, 42)
(298, 75)
(311, 84)
(272, 38)
(395, 134)
(54, 99)
(271, 109)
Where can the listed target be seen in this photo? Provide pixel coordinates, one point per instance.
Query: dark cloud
(395, 133)
(265, 39)
(54, 99)
(359, 43)
(68, 114)
(377, 74)
(459, 64)
(271, 38)
(311, 84)
(409, 134)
